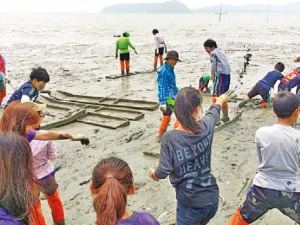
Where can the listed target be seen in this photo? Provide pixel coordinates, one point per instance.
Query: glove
(163, 108)
(152, 175)
(116, 56)
(80, 137)
(227, 96)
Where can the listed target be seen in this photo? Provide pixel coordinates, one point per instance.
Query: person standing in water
(122, 44)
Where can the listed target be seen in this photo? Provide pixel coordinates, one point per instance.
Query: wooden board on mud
(130, 74)
(103, 120)
(104, 101)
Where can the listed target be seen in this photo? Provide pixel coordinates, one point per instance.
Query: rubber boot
(36, 215)
(237, 219)
(243, 103)
(122, 66)
(225, 117)
(164, 125)
(127, 65)
(56, 207)
(155, 63)
(161, 60)
(263, 104)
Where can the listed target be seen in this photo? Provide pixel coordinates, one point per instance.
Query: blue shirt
(290, 81)
(7, 219)
(26, 89)
(166, 83)
(270, 79)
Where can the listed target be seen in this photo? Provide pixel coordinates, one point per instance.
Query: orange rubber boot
(237, 219)
(56, 207)
(164, 125)
(263, 104)
(155, 62)
(161, 60)
(36, 215)
(127, 65)
(122, 66)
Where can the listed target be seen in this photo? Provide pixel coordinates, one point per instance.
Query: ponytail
(111, 182)
(110, 202)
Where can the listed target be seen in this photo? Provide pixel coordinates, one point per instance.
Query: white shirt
(278, 149)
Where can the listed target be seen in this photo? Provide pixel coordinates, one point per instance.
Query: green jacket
(122, 43)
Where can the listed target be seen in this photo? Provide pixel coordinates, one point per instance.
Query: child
(160, 47)
(185, 157)
(123, 43)
(276, 185)
(203, 84)
(290, 81)
(220, 72)
(263, 86)
(166, 84)
(29, 91)
(112, 181)
(43, 152)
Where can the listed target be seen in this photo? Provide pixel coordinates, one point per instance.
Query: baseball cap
(35, 106)
(173, 54)
(297, 59)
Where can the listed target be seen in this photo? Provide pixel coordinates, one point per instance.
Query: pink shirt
(43, 152)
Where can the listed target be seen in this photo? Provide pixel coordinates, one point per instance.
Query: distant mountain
(293, 7)
(175, 6)
(166, 7)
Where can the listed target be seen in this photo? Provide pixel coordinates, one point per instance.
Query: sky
(95, 6)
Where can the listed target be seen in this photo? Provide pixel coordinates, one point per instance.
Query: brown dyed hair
(17, 116)
(16, 176)
(187, 100)
(111, 181)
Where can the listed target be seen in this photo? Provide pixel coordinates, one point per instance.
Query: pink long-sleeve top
(43, 153)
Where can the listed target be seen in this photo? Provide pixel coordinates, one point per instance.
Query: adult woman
(185, 157)
(17, 180)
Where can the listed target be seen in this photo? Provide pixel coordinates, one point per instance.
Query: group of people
(185, 154)
(26, 152)
(122, 48)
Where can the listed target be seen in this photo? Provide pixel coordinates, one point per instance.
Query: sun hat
(172, 54)
(35, 106)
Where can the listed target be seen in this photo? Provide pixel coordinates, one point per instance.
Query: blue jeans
(195, 216)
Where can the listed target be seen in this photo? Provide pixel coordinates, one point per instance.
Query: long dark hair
(187, 100)
(16, 176)
(111, 181)
(17, 116)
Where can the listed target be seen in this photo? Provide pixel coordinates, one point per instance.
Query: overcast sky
(94, 6)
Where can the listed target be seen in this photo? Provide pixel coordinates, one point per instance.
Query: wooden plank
(103, 120)
(130, 74)
(106, 101)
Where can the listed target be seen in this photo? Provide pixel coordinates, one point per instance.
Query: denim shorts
(195, 216)
(260, 200)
